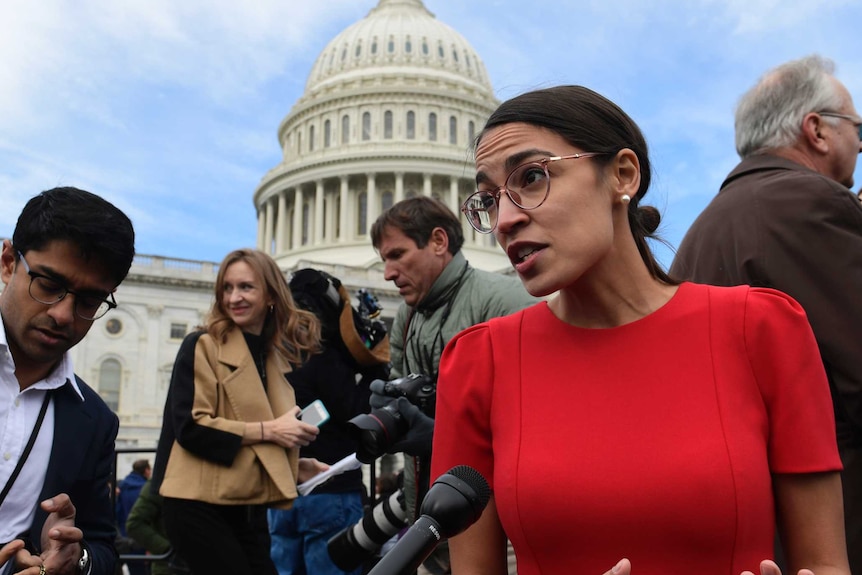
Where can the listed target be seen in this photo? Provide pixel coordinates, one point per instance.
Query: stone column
(342, 220)
(453, 194)
(318, 213)
(270, 226)
(399, 187)
(371, 202)
(426, 185)
(261, 227)
(297, 217)
(281, 224)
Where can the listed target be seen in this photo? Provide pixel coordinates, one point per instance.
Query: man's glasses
(527, 186)
(857, 121)
(48, 291)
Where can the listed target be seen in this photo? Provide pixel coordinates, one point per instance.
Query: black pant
(219, 538)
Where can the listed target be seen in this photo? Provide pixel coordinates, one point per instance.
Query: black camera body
(420, 390)
(379, 430)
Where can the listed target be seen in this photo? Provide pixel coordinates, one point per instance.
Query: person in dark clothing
(127, 493)
(340, 380)
(786, 218)
(146, 526)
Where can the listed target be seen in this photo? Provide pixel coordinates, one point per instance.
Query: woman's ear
(627, 172)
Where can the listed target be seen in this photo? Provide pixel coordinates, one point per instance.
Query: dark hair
(416, 218)
(140, 466)
(592, 123)
(99, 229)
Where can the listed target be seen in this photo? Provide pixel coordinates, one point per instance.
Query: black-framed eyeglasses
(527, 186)
(856, 120)
(49, 291)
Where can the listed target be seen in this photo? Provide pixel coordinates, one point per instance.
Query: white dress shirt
(19, 411)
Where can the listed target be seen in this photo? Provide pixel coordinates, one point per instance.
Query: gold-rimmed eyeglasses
(48, 291)
(527, 186)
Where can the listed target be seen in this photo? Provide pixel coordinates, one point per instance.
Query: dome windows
(366, 126)
(387, 125)
(408, 45)
(327, 134)
(411, 125)
(345, 129)
(453, 130)
(432, 127)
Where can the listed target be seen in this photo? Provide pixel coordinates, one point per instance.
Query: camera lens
(377, 431)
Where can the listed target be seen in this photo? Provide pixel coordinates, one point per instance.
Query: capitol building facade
(390, 110)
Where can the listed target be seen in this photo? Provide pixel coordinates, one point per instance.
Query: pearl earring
(625, 198)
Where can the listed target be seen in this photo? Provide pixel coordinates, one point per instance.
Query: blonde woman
(229, 446)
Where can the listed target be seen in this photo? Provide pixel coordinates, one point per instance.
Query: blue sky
(170, 109)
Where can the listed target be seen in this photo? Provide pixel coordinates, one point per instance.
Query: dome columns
(340, 209)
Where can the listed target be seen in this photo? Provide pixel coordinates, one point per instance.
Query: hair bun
(649, 218)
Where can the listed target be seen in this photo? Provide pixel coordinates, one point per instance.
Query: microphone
(454, 502)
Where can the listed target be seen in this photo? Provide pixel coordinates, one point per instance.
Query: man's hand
(61, 540)
(378, 399)
(420, 434)
(14, 547)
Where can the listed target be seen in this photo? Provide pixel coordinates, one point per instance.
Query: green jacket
(460, 298)
(144, 525)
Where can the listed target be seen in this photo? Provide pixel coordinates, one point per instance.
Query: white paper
(346, 464)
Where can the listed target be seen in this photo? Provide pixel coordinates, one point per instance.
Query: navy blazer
(82, 458)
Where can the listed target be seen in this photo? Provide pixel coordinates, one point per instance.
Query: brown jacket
(227, 393)
(778, 224)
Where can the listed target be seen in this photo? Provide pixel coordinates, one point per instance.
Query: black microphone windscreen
(456, 499)
(475, 480)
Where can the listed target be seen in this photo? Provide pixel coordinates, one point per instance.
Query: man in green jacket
(419, 240)
(144, 525)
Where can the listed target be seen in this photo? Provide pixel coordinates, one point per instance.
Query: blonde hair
(292, 331)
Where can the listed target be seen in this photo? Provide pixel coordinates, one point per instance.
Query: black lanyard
(33, 435)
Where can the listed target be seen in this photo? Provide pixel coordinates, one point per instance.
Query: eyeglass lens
(49, 292)
(527, 187)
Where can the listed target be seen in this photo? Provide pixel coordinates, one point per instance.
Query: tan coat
(228, 392)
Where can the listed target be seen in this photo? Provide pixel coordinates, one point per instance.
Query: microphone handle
(411, 550)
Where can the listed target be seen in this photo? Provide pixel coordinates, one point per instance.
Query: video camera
(371, 330)
(357, 543)
(383, 427)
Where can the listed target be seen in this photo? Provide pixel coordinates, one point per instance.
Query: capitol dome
(390, 110)
(397, 38)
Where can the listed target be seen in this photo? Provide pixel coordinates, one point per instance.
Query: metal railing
(131, 557)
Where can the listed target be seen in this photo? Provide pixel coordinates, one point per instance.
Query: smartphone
(314, 413)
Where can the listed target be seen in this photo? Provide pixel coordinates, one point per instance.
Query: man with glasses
(419, 240)
(786, 218)
(69, 252)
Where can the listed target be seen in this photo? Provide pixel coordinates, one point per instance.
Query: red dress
(655, 440)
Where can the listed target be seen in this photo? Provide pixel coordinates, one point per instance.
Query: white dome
(399, 37)
(390, 110)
